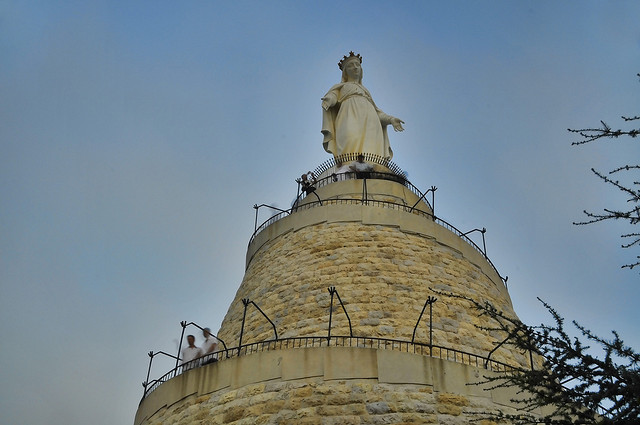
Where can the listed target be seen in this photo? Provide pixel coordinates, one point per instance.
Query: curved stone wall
(384, 264)
(328, 385)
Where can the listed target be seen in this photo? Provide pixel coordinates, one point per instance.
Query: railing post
(430, 300)
(146, 382)
(432, 190)
(331, 289)
(531, 359)
(530, 352)
(255, 222)
(486, 362)
(245, 301)
(319, 200)
(484, 245)
(202, 329)
(184, 325)
(365, 195)
(266, 317)
(431, 324)
(433, 201)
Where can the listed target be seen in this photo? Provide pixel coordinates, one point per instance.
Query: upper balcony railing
(330, 172)
(336, 162)
(350, 175)
(329, 169)
(378, 204)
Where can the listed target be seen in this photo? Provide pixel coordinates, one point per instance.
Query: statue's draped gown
(354, 124)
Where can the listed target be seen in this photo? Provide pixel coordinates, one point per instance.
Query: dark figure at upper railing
(308, 182)
(351, 121)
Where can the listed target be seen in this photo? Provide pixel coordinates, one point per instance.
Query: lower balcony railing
(434, 351)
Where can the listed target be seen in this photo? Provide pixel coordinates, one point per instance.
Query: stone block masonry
(384, 262)
(335, 389)
(383, 274)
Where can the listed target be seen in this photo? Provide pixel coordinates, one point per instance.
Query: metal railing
(434, 351)
(373, 175)
(379, 204)
(334, 162)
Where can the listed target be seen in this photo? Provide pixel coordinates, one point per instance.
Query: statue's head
(351, 67)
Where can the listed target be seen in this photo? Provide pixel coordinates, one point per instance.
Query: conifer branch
(631, 215)
(574, 386)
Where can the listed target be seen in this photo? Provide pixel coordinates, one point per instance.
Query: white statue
(351, 121)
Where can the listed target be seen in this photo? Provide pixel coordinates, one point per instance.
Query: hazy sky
(135, 137)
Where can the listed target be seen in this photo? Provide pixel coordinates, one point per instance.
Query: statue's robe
(354, 124)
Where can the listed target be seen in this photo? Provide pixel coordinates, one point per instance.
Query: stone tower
(336, 320)
(367, 245)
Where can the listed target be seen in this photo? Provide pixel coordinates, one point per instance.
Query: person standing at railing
(189, 353)
(308, 182)
(362, 169)
(209, 345)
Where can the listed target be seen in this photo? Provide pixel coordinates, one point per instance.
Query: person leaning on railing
(362, 169)
(308, 182)
(208, 346)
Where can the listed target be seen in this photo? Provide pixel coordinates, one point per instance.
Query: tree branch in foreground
(574, 385)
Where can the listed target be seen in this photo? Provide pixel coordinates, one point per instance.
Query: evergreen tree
(571, 383)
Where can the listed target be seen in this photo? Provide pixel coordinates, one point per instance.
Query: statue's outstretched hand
(397, 124)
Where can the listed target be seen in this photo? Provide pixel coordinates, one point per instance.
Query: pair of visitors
(192, 352)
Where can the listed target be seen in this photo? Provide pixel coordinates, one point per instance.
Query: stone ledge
(372, 215)
(232, 384)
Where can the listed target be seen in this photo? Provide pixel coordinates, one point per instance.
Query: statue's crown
(346, 58)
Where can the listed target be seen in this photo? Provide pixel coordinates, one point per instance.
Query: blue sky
(137, 136)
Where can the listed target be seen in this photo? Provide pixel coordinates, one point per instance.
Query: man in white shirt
(362, 169)
(209, 345)
(190, 353)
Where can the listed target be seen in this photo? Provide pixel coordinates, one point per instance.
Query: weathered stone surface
(322, 400)
(383, 275)
(378, 408)
(384, 264)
